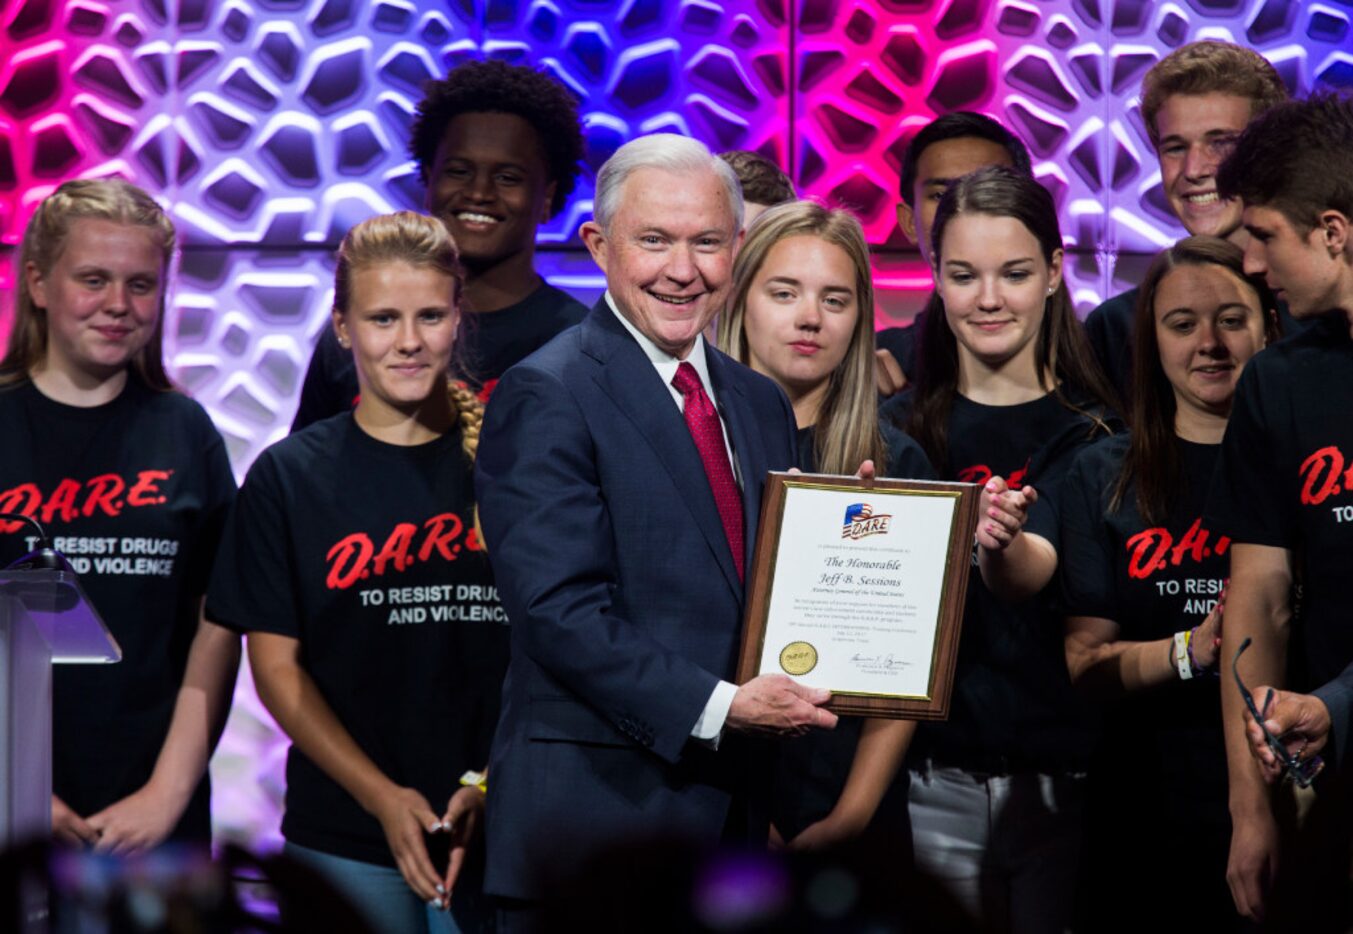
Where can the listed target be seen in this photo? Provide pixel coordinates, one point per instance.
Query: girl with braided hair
(374, 631)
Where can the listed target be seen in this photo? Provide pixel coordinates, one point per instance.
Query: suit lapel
(629, 379)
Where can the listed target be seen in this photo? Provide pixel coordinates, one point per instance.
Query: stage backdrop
(269, 127)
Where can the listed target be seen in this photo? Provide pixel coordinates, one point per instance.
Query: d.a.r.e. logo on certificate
(861, 522)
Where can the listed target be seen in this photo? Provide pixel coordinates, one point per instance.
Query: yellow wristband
(479, 780)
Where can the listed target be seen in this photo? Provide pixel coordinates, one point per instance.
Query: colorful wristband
(479, 780)
(1193, 662)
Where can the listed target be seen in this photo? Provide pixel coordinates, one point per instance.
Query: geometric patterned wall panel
(1063, 75)
(716, 71)
(268, 127)
(283, 122)
(271, 122)
(240, 331)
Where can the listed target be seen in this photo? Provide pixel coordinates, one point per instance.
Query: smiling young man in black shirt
(498, 147)
(1283, 491)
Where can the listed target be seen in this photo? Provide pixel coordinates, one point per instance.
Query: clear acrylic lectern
(45, 620)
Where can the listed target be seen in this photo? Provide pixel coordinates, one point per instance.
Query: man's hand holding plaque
(772, 703)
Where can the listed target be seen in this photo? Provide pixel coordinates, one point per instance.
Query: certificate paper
(858, 587)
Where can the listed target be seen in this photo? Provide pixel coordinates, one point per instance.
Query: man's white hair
(666, 151)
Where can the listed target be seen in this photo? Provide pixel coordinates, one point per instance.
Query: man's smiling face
(1197, 132)
(489, 183)
(668, 253)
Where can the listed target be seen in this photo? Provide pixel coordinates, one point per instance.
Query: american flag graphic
(858, 512)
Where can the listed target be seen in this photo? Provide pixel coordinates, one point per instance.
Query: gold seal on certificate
(858, 586)
(798, 658)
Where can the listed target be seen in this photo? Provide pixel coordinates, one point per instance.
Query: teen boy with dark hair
(1283, 493)
(498, 147)
(942, 152)
(1195, 103)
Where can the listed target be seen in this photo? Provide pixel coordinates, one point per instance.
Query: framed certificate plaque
(858, 586)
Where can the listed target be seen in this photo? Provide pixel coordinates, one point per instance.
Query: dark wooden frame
(958, 562)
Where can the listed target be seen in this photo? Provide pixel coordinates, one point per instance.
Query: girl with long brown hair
(1143, 591)
(1006, 393)
(375, 634)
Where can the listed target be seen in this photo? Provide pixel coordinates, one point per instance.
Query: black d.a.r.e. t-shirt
(1153, 579)
(1013, 708)
(1285, 479)
(365, 552)
(134, 493)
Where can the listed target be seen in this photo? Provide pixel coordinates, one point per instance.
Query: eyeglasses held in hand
(1301, 771)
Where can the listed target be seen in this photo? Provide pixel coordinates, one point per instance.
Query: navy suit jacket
(624, 601)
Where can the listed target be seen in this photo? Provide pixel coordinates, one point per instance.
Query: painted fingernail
(434, 826)
(434, 903)
(447, 826)
(441, 889)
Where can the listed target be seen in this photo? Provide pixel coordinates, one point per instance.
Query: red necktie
(703, 422)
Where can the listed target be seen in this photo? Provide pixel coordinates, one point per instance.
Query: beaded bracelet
(1193, 662)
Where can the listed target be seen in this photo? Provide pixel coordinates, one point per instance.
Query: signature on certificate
(876, 662)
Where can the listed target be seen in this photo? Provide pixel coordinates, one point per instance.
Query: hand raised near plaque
(888, 373)
(774, 703)
(1003, 513)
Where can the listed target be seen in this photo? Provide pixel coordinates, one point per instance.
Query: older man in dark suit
(619, 478)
